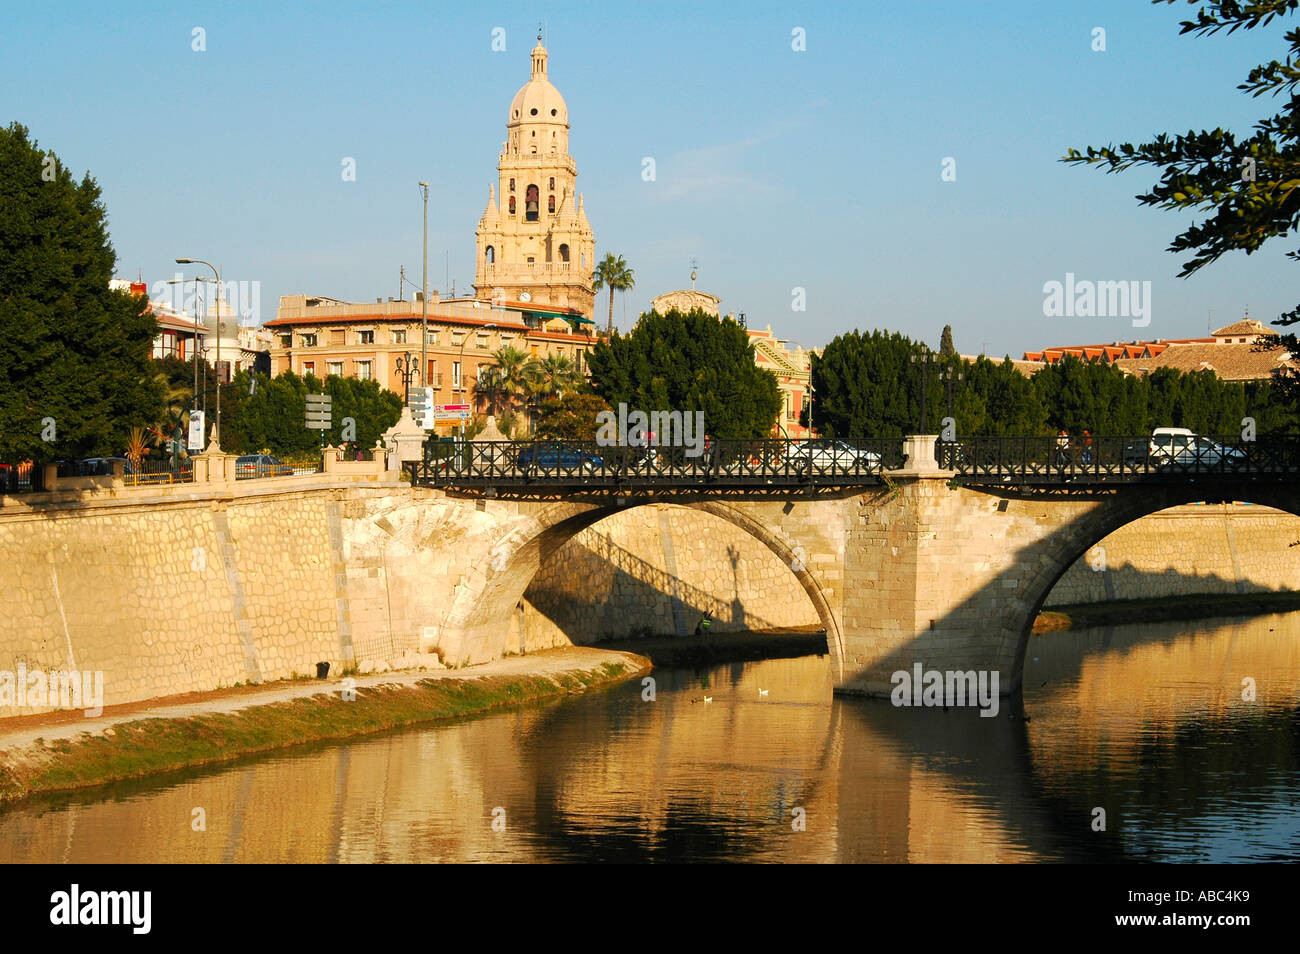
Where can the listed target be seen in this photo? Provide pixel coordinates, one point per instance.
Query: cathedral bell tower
(534, 242)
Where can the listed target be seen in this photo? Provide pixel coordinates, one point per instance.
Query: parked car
(1137, 454)
(824, 453)
(1203, 452)
(557, 456)
(261, 465)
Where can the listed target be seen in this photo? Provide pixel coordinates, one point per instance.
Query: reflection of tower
(535, 244)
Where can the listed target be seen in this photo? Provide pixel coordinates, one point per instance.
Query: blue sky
(776, 169)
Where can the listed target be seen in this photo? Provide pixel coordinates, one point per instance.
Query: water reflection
(1146, 722)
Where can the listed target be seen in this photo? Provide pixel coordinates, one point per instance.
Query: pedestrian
(1062, 447)
(1087, 447)
(702, 627)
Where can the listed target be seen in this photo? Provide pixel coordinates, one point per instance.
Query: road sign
(195, 441)
(319, 411)
(451, 413)
(421, 404)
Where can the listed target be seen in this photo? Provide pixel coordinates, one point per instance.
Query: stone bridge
(198, 585)
(918, 569)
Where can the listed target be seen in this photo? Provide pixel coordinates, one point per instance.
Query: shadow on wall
(626, 595)
(1082, 585)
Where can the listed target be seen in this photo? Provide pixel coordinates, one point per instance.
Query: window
(552, 184)
(455, 374)
(432, 337)
(363, 371)
(338, 336)
(482, 340)
(552, 112)
(512, 185)
(334, 367)
(564, 253)
(308, 367)
(512, 205)
(550, 204)
(286, 341)
(366, 337)
(531, 259)
(533, 111)
(490, 255)
(399, 337)
(309, 341)
(531, 204)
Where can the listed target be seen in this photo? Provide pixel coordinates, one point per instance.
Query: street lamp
(216, 429)
(460, 362)
(923, 359)
(424, 295)
(406, 369)
(182, 282)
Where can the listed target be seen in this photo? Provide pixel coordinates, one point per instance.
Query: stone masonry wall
(1194, 549)
(655, 570)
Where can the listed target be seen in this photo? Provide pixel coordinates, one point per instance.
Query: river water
(1145, 723)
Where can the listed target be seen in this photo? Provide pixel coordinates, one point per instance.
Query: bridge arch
(476, 623)
(1063, 548)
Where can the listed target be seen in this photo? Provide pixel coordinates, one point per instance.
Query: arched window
(564, 253)
(552, 185)
(550, 204)
(490, 255)
(512, 185)
(530, 204)
(512, 205)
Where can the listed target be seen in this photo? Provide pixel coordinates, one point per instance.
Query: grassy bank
(1120, 612)
(146, 746)
(717, 648)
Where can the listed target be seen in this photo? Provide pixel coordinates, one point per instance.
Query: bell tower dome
(534, 242)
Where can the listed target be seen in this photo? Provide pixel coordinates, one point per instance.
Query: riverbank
(67, 751)
(1156, 609)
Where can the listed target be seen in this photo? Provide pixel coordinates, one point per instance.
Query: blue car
(557, 457)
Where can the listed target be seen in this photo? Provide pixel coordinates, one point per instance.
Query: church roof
(537, 100)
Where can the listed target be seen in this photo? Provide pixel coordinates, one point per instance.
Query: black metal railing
(1159, 458)
(594, 465)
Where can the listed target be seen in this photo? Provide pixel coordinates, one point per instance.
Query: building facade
(534, 243)
(1233, 353)
(323, 336)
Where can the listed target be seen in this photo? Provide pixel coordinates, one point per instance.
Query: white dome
(537, 100)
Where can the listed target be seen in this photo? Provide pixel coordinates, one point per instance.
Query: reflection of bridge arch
(478, 619)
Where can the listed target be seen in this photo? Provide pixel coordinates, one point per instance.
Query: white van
(1179, 447)
(1169, 442)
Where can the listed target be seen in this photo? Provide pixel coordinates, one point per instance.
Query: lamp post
(216, 429)
(923, 359)
(948, 375)
(424, 294)
(182, 282)
(406, 368)
(460, 362)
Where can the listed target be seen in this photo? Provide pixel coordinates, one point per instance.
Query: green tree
(75, 362)
(260, 413)
(1250, 187)
(689, 362)
(946, 347)
(570, 417)
(612, 273)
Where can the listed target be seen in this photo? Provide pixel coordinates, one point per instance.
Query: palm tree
(508, 377)
(488, 388)
(612, 273)
(553, 374)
